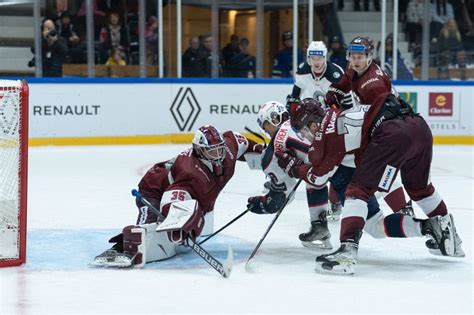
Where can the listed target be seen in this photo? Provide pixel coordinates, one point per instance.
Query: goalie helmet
(274, 112)
(317, 49)
(310, 110)
(209, 144)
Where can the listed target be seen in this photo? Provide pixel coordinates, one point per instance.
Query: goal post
(13, 171)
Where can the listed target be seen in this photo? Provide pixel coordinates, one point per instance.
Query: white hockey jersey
(308, 85)
(284, 140)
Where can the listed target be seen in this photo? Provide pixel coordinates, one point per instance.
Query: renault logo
(185, 109)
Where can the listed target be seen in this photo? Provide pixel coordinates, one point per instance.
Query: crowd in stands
(116, 34)
(451, 33)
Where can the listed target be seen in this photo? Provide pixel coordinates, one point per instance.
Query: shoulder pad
(333, 72)
(304, 68)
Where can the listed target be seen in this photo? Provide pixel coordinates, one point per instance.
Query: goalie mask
(209, 145)
(309, 111)
(316, 56)
(360, 53)
(272, 112)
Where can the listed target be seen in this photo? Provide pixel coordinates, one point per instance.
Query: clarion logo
(368, 82)
(440, 104)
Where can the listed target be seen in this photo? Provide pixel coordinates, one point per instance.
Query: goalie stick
(224, 269)
(232, 221)
(290, 195)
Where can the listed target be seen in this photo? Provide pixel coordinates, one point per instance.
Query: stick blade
(249, 265)
(228, 262)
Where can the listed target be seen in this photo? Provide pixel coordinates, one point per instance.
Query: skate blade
(321, 245)
(459, 253)
(342, 270)
(333, 218)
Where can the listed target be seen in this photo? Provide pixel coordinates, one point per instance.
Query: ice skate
(342, 261)
(318, 236)
(112, 258)
(435, 249)
(335, 211)
(442, 232)
(408, 209)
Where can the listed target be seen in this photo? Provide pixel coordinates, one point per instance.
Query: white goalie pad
(254, 160)
(179, 214)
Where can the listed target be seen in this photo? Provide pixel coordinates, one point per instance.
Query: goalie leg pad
(143, 244)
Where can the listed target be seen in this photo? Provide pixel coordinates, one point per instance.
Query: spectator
(68, 31)
(242, 65)
(193, 61)
(366, 5)
(81, 17)
(283, 62)
(114, 34)
(230, 50)
(337, 52)
(115, 58)
(206, 54)
(53, 50)
(403, 72)
(414, 21)
(440, 11)
(151, 38)
(450, 47)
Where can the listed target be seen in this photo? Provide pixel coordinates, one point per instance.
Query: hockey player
(313, 78)
(184, 189)
(386, 138)
(365, 80)
(273, 120)
(283, 62)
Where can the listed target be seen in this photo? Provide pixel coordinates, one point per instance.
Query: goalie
(184, 189)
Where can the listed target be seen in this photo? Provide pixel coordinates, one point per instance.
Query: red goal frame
(23, 179)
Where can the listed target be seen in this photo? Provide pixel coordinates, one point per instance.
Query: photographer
(53, 48)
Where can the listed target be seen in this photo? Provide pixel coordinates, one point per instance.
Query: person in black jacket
(242, 65)
(53, 49)
(193, 60)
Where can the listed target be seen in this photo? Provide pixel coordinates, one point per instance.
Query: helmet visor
(214, 153)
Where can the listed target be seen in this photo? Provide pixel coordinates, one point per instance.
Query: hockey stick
(256, 134)
(290, 195)
(235, 219)
(223, 269)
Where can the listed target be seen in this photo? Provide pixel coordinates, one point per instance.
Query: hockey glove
(288, 163)
(270, 203)
(334, 97)
(292, 103)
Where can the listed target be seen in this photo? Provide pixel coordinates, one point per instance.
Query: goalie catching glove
(270, 203)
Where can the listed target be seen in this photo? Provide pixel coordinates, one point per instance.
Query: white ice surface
(79, 197)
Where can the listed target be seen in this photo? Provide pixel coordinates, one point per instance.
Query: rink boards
(80, 111)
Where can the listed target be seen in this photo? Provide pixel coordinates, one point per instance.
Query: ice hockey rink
(80, 196)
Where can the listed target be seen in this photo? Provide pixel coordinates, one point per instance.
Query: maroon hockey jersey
(366, 87)
(188, 177)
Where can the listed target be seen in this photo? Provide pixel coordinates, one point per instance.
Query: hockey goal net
(13, 171)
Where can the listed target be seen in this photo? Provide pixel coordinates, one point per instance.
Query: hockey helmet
(361, 45)
(310, 110)
(209, 144)
(274, 112)
(317, 49)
